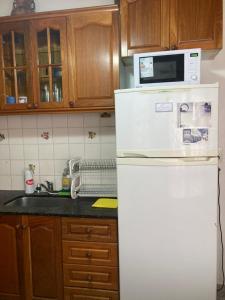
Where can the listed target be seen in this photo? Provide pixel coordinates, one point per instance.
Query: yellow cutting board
(106, 203)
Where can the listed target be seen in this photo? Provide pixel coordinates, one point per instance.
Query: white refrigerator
(167, 148)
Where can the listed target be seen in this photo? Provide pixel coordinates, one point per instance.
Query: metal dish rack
(93, 177)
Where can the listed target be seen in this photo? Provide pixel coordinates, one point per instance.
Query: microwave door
(158, 69)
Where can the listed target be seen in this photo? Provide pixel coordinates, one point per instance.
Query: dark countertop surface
(80, 207)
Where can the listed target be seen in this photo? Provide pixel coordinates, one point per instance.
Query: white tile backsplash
(3, 122)
(31, 152)
(14, 122)
(16, 151)
(44, 121)
(30, 136)
(75, 120)
(68, 138)
(61, 151)
(4, 151)
(60, 135)
(59, 121)
(29, 121)
(15, 136)
(45, 151)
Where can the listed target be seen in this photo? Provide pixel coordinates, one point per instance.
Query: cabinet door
(196, 24)
(94, 56)
(45, 257)
(10, 258)
(50, 62)
(144, 26)
(15, 76)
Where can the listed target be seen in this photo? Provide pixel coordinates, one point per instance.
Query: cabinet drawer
(96, 277)
(95, 230)
(89, 294)
(102, 254)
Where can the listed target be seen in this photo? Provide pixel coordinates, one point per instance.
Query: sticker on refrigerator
(146, 67)
(195, 135)
(196, 114)
(163, 107)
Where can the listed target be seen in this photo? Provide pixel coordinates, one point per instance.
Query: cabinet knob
(88, 230)
(173, 47)
(18, 226)
(89, 277)
(72, 104)
(89, 254)
(29, 105)
(35, 105)
(24, 226)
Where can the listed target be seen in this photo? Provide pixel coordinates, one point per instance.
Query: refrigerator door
(167, 229)
(167, 122)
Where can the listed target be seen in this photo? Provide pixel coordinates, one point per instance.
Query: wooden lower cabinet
(89, 294)
(30, 258)
(43, 258)
(11, 248)
(90, 259)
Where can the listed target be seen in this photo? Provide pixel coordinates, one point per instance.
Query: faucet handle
(38, 188)
(49, 185)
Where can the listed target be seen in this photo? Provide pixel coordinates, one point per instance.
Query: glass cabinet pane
(9, 83)
(44, 85)
(19, 49)
(22, 85)
(57, 84)
(7, 49)
(42, 39)
(55, 46)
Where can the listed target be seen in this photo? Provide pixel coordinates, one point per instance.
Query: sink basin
(35, 201)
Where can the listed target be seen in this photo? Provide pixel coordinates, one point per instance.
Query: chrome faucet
(48, 187)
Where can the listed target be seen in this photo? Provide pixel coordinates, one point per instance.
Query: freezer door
(167, 231)
(169, 122)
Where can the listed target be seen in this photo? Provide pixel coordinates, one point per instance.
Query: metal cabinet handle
(88, 230)
(173, 47)
(89, 254)
(72, 104)
(89, 277)
(18, 226)
(29, 105)
(24, 226)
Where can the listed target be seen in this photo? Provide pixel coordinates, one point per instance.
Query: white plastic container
(29, 180)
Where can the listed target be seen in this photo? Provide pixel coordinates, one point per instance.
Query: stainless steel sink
(38, 201)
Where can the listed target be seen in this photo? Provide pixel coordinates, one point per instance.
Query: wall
(46, 5)
(213, 70)
(48, 141)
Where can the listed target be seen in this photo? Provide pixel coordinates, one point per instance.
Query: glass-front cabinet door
(15, 81)
(50, 63)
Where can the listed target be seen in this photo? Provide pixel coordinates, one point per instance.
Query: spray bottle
(29, 179)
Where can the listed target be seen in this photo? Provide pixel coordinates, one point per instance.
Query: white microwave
(167, 67)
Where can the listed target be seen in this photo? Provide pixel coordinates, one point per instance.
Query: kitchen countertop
(80, 207)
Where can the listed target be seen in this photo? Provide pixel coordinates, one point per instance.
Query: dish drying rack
(93, 177)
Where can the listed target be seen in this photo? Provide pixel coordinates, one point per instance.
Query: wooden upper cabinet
(50, 65)
(196, 24)
(154, 25)
(45, 257)
(93, 40)
(10, 258)
(144, 26)
(15, 72)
